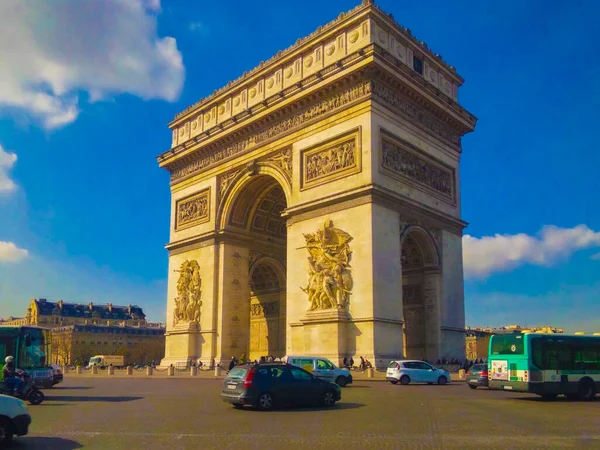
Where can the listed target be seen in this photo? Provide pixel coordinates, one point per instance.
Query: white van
(321, 368)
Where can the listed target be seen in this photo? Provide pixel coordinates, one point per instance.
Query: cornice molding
(366, 10)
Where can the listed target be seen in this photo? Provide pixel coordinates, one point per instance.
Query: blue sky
(87, 90)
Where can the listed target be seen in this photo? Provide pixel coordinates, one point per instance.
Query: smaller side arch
(424, 239)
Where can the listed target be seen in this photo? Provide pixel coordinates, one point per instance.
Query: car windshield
(479, 368)
(237, 372)
(392, 365)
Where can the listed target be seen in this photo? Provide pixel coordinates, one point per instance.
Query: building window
(418, 65)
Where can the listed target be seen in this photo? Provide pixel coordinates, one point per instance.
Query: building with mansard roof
(42, 312)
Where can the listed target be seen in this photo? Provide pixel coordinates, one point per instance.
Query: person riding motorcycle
(11, 377)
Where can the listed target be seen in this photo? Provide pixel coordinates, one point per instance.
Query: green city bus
(31, 348)
(545, 364)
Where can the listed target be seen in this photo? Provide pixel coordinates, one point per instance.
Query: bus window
(508, 344)
(537, 353)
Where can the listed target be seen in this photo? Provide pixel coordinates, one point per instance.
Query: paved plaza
(180, 413)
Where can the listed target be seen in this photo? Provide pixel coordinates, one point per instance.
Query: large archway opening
(420, 302)
(256, 217)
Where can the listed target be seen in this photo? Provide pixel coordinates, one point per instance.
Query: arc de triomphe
(316, 204)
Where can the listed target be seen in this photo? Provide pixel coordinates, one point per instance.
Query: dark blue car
(265, 386)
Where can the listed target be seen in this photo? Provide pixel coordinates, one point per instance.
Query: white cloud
(9, 252)
(7, 161)
(54, 50)
(483, 256)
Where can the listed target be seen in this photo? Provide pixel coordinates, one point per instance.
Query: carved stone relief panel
(189, 290)
(329, 277)
(192, 210)
(401, 160)
(283, 160)
(331, 160)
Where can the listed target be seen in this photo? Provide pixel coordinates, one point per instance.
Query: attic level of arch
(379, 77)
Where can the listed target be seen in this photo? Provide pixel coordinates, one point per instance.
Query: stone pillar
(431, 300)
(129, 370)
(193, 371)
(218, 371)
(94, 370)
(233, 324)
(453, 301)
(170, 371)
(79, 370)
(149, 370)
(111, 370)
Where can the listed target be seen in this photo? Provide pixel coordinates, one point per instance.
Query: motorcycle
(28, 390)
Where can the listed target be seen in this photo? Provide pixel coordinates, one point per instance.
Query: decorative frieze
(331, 160)
(424, 118)
(226, 179)
(192, 210)
(339, 100)
(399, 158)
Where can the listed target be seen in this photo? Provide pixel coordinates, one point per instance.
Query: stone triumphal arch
(316, 204)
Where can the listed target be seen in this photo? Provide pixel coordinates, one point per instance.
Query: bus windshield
(508, 344)
(34, 348)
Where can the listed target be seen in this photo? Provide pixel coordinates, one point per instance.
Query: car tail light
(248, 378)
(397, 366)
(468, 374)
(484, 374)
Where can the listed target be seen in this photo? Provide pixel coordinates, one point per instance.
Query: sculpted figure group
(189, 289)
(329, 278)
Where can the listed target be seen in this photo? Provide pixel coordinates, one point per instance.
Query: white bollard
(193, 371)
(218, 371)
(111, 370)
(170, 371)
(149, 370)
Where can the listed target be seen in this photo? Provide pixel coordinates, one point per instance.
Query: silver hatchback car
(413, 371)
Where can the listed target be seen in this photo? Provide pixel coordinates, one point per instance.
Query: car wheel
(587, 390)
(471, 386)
(36, 397)
(341, 381)
(6, 431)
(404, 379)
(328, 399)
(394, 381)
(265, 401)
(442, 380)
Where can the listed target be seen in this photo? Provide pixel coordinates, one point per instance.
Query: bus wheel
(587, 390)
(549, 397)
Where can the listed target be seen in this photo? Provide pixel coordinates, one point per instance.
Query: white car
(14, 419)
(321, 368)
(413, 371)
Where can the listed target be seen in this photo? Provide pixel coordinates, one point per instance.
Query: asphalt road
(188, 413)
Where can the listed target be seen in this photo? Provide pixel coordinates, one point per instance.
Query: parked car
(14, 419)
(57, 374)
(267, 385)
(412, 371)
(477, 375)
(321, 368)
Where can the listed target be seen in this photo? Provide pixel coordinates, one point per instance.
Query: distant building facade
(478, 339)
(77, 343)
(44, 313)
(80, 331)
